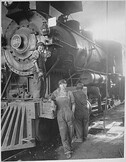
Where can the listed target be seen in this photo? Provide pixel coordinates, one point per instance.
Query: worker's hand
(73, 115)
(49, 97)
(54, 113)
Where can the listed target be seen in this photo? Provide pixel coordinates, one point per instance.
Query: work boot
(68, 155)
(74, 140)
(79, 140)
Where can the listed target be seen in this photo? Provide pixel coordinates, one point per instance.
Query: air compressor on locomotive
(36, 58)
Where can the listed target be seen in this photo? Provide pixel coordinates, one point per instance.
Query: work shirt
(64, 100)
(81, 109)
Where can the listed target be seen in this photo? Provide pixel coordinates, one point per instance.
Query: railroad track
(12, 155)
(35, 153)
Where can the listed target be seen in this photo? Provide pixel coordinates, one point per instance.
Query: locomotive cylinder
(88, 78)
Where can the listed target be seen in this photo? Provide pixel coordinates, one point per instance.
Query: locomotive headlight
(52, 22)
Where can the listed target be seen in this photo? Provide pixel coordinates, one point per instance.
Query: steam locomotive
(36, 56)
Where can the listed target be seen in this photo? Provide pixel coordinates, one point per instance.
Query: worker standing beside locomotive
(65, 115)
(81, 113)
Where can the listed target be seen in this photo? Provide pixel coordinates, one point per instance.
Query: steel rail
(14, 155)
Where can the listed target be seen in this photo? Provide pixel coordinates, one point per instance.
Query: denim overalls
(65, 117)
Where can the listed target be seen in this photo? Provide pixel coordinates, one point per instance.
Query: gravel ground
(100, 144)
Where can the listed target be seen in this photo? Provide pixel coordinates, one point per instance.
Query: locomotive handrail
(66, 43)
(90, 70)
(84, 37)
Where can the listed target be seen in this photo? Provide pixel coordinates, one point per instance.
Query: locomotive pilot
(65, 115)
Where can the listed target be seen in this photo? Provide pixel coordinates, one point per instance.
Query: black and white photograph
(63, 80)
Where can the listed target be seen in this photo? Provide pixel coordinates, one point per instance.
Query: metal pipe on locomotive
(36, 58)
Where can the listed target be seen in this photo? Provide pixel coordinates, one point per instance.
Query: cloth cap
(63, 81)
(79, 86)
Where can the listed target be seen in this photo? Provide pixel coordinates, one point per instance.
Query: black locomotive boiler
(36, 57)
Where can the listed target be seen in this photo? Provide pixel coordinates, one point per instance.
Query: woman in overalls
(65, 115)
(81, 113)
